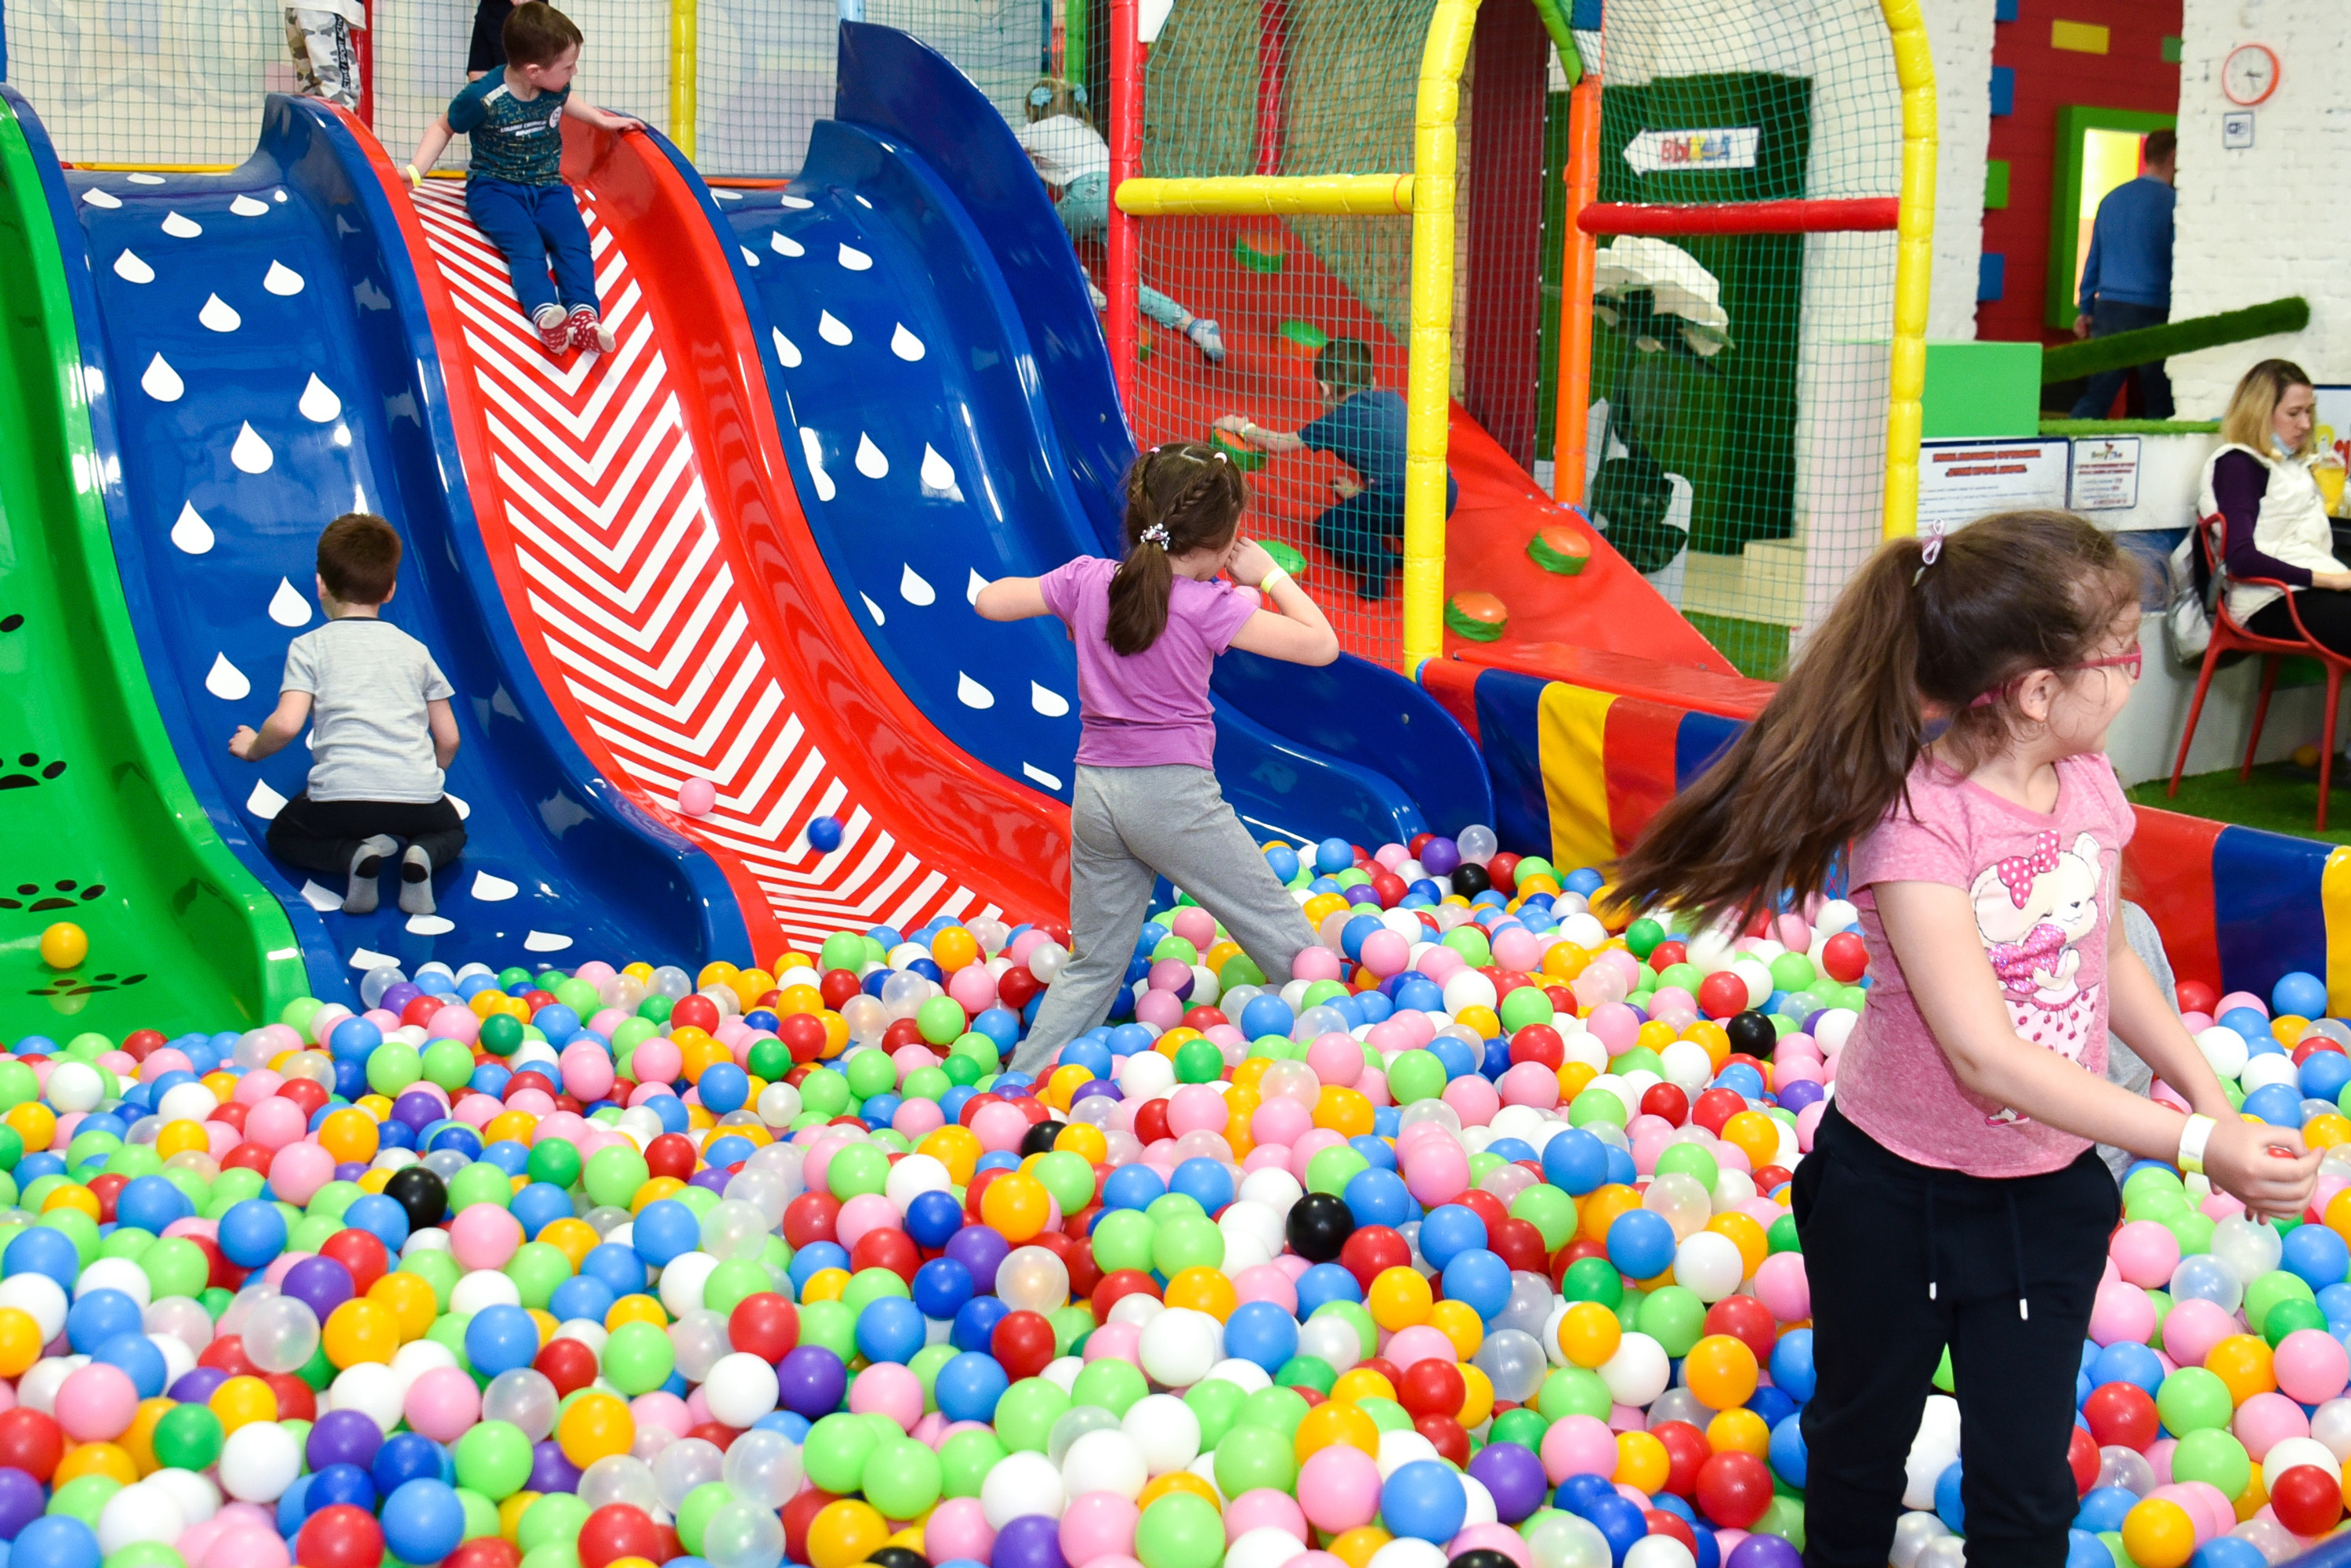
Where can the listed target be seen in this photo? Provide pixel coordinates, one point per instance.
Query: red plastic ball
(798, 1514)
(1016, 988)
(1023, 1342)
(1203, 1018)
(2082, 1459)
(569, 1364)
(1668, 1101)
(107, 1189)
(1845, 956)
(1503, 868)
(1518, 1243)
(810, 1218)
(615, 1530)
(1486, 1206)
(303, 1092)
(297, 1401)
(1748, 1320)
(1117, 1286)
(892, 1250)
(717, 1434)
(1538, 1043)
(359, 1252)
(2307, 1500)
(2198, 997)
(1371, 1251)
(767, 1325)
(1433, 1387)
(903, 1031)
(1661, 1522)
(1721, 994)
(2121, 1413)
(693, 1012)
(232, 1114)
(227, 1353)
(1151, 1122)
(341, 1536)
(248, 1157)
(836, 986)
(31, 1442)
(485, 1552)
(1734, 1488)
(420, 1011)
(1445, 1434)
(671, 1155)
(1715, 1106)
(1686, 1450)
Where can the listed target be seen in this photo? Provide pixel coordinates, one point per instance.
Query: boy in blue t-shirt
(1364, 427)
(514, 187)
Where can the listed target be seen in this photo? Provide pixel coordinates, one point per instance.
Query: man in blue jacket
(2126, 281)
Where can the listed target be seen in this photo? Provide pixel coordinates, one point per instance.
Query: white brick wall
(1959, 32)
(2259, 223)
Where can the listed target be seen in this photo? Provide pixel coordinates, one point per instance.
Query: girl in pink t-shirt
(1146, 803)
(1947, 727)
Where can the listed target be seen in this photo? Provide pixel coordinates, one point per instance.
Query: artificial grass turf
(2279, 798)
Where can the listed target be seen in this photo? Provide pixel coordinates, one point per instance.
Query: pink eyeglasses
(2132, 663)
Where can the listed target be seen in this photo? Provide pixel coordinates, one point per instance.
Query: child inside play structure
(514, 185)
(1947, 722)
(1364, 427)
(1145, 804)
(1073, 161)
(382, 731)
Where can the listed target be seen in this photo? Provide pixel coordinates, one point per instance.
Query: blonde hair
(2254, 404)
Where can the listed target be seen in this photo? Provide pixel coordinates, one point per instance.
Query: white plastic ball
(39, 1298)
(1267, 1546)
(2331, 1425)
(1146, 1075)
(1481, 1509)
(1166, 1431)
(1401, 1447)
(197, 1497)
(481, 1290)
(1944, 1551)
(1063, 1373)
(1912, 1532)
(74, 1086)
(178, 1359)
(2224, 1050)
(1329, 1338)
(1687, 1066)
(115, 1274)
(741, 1388)
(138, 1512)
(259, 1461)
(683, 1280)
(187, 1103)
(2269, 1068)
(37, 1389)
(1709, 1265)
(1105, 1460)
(417, 1357)
(1658, 1552)
(1406, 1551)
(1258, 1221)
(1179, 1345)
(1468, 989)
(1137, 1308)
(1275, 1188)
(2284, 1456)
(370, 1388)
(1021, 1483)
(1246, 1375)
(1638, 1372)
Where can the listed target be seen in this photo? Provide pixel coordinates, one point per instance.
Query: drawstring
(2016, 1240)
(1931, 1234)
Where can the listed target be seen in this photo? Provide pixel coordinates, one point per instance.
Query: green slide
(98, 826)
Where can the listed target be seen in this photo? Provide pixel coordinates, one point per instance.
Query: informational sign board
(2106, 474)
(1959, 481)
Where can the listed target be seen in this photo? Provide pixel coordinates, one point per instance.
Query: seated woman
(1073, 161)
(2259, 481)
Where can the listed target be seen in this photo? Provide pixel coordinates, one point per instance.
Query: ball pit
(1467, 1243)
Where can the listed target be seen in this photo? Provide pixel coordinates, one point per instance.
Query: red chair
(2228, 636)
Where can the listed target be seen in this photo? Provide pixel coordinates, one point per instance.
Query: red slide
(1268, 374)
(653, 555)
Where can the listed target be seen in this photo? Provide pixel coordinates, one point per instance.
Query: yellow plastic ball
(64, 944)
(359, 1331)
(1079, 1139)
(179, 1137)
(349, 1134)
(1478, 1396)
(1361, 1383)
(138, 1442)
(1753, 1242)
(1742, 1429)
(1330, 1424)
(1203, 1289)
(240, 1401)
(1357, 1547)
(1721, 1371)
(957, 1148)
(2242, 1362)
(109, 1460)
(2157, 1533)
(412, 1303)
(1015, 1205)
(1641, 1461)
(594, 1426)
(1458, 1322)
(1343, 1111)
(1399, 1299)
(844, 1533)
(20, 1341)
(1589, 1334)
(1754, 1134)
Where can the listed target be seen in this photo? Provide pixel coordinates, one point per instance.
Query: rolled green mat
(2146, 345)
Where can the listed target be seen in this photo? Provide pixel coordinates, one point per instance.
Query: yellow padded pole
(1352, 195)
(1429, 378)
(1914, 263)
(682, 60)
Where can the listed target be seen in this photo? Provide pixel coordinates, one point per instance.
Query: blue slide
(982, 438)
(258, 361)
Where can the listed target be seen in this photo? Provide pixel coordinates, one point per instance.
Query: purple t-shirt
(1147, 709)
(2043, 891)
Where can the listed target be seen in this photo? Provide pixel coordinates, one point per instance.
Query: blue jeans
(1084, 210)
(1354, 532)
(533, 225)
(2109, 317)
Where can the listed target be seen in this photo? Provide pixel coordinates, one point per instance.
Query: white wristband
(1265, 584)
(2192, 1139)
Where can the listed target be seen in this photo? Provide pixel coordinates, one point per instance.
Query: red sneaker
(587, 332)
(554, 331)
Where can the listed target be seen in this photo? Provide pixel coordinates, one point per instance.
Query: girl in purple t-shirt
(1946, 726)
(1146, 803)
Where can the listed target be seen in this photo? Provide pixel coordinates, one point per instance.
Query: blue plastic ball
(1378, 1197)
(824, 834)
(2103, 1509)
(1453, 1229)
(933, 1218)
(723, 1087)
(56, 1541)
(2318, 1255)
(968, 1386)
(98, 1317)
(1425, 1500)
(2300, 993)
(665, 1230)
(136, 1354)
(890, 1329)
(1641, 1244)
(407, 1456)
(1575, 1162)
(500, 1339)
(1263, 1332)
(1948, 1506)
(1788, 1458)
(1481, 1280)
(2323, 1075)
(1792, 1365)
(1204, 1181)
(423, 1522)
(150, 1203)
(1325, 1282)
(1333, 855)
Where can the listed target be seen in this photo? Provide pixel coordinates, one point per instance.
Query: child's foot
(367, 865)
(1208, 338)
(554, 331)
(416, 882)
(1370, 590)
(589, 333)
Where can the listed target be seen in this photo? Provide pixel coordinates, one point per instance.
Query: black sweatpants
(2015, 1266)
(323, 835)
(2325, 610)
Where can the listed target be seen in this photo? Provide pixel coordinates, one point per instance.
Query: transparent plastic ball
(2126, 1468)
(1033, 1280)
(684, 1465)
(671, 982)
(1514, 1361)
(1681, 1201)
(743, 1535)
(524, 1397)
(281, 1334)
(1477, 844)
(624, 1477)
(734, 1229)
(760, 1466)
(1074, 1425)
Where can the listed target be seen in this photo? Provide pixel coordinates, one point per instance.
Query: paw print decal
(65, 894)
(33, 773)
(76, 986)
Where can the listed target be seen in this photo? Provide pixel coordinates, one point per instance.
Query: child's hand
(1229, 424)
(1346, 489)
(2265, 1167)
(240, 744)
(625, 123)
(1249, 563)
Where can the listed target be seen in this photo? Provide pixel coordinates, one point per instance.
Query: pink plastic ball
(1338, 1487)
(1578, 1446)
(248, 1546)
(274, 1122)
(484, 1236)
(862, 1214)
(1385, 953)
(2193, 1327)
(1317, 962)
(1263, 1509)
(959, 1529)
(2144, 1253)
(1263, 1282)
(887, 1388)
(1420, 1342)
(1473, 1098)
(697, 797)
(1196, 925)
(1116, 1342)
(443, 1404)
(2265, 1420)
(1196, 1108)
(1336, 1059)
(1096, 1525)
(1530, 1083)
(1781, 1284)
(1437, 1173)
(1517, 950)
(972, 986)
(297, 1171)
(97, 1402)
(456, 1022)
(998, 1127)
(657, 1061)
(1616, 1027)
(2312, 1366)
(917, 1118)
(1499, 1538)
(1162, 1009)
(1284, 1121)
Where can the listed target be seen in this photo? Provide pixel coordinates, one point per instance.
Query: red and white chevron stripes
(628, 593)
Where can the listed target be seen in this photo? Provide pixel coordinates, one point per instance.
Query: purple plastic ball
(1803, 1091)
(1440, 857)
(342, 1438)
(320, 1283)
(550, 1470)
(982, 1249)
(716, 1180)
(417, 1110)
(396, 998)
(21, 1503)
(1763, 1552)
(811, 1382)
(197, 1387)
(1031, 1541)
(1514, 1475)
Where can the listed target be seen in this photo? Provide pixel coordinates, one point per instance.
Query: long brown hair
(1907, 642)
(1181, 495)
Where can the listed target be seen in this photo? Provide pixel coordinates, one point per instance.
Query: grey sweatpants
(1084, 209)
(1128, 827)
(2122, 1063)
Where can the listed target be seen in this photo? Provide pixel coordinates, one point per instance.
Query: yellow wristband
(415, 179)
(1265, 584)
(2193, 1137)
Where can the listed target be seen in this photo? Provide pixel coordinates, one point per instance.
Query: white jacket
(2291, 526)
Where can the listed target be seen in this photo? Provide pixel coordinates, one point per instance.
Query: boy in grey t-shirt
(382, 731)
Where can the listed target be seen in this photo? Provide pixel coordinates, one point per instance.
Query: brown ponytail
(1181, 497)
(1907, 641)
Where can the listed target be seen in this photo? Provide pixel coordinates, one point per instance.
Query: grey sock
(416, 882)
(367, 865)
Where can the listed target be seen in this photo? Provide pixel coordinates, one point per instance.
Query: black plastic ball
(1751, 1033)
(1039, 1139)
(1319, 1225)
(420, 1192)
(1470, 879)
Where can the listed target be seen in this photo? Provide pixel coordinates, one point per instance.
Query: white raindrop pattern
(1047, 701)
(783, 243)
(287, 606)
(265, 803)
(870, 460)
(319, 404)
(99, 198)
(914, 590)
(832, 329)
(227, 682)
(971, 694)
(180, 227)
(161, 381)
(248, 207)
(855, 260)
(219, 316)
(905, 345)
(786, 349)
(190, 533)
(282, 280)
(131, 269)
(874, 610)
(488, 889)
(251, 454)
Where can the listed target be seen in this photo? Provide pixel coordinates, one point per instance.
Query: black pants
(2109, 317)
(323, 835)
(489, 50)
(1877, 1231)
(2325, 610)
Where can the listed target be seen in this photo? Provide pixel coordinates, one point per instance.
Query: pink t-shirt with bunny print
(2043, 888)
